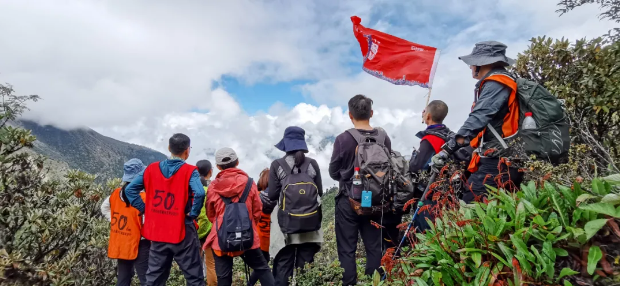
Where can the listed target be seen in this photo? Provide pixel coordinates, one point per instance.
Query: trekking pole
(415, 214)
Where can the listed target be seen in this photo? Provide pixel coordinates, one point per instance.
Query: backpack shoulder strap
(358, 136)
(246, 192)
(381, 136)
(287, 169)
(361, 138)
(496, 134)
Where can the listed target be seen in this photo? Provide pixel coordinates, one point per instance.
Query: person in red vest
(126, 243)
(435, 135)
(174, 197)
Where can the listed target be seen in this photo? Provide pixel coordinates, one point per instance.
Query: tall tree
(611, 11)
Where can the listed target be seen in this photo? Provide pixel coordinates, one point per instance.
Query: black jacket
(420, 158)
(268, 205)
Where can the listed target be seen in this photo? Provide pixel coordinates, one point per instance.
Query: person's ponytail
(300, 157)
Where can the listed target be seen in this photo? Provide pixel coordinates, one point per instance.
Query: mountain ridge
(87, 150)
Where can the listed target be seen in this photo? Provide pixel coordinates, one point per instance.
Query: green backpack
(550, 140)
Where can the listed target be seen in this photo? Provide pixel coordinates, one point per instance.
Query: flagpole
(430, 88)
(428, 97)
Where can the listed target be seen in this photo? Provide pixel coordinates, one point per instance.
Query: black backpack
(299, 210)
(236, 232)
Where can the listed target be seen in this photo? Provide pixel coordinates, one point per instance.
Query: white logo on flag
(373, 50)
(414, 48)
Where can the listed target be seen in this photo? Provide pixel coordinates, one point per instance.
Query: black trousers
(187, 255)
(253, 258)
(254, 275)
(125, 268)
(488, 169)
(292, 257)
(348, 226)
(390, 232)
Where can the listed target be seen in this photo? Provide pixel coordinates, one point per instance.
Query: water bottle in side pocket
(357, 188)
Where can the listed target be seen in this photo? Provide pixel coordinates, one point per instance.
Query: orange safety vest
(511, 120)
(125, 228)
(264, 231)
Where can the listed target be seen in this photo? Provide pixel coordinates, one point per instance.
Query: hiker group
(171, 210)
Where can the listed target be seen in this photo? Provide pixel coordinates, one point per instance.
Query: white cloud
(254, 137)
(137, 70)
(511, 22)
(106, 63)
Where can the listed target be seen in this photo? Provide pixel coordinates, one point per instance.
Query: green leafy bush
(540, 234)
(585, 75)
(51, 231)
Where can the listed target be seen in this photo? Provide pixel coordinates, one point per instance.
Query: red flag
(393, 59)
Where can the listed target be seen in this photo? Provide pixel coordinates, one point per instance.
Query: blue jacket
(168, 168)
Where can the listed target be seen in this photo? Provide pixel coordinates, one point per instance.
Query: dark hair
(204, 167)
(360, 107)
(123, 195)
(300, 157)
(263, 180)
(229, 165)
(438, 110)
(178, 143)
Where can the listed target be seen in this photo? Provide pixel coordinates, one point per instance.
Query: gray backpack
(404, 185)
(299, 209)
(374, 161)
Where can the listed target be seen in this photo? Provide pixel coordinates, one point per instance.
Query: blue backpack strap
(246, 192)
(244, 195)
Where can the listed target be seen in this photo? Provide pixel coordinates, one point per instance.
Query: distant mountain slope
(88, 150)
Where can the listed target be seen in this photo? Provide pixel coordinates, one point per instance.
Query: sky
(236, 73)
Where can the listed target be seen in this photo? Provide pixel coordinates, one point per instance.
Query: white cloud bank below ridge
(254, 137)
(118, 67)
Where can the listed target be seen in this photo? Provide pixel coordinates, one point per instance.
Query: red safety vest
(166, 198)
(435, 141)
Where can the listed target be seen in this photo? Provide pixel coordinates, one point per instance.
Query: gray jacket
(491, 106)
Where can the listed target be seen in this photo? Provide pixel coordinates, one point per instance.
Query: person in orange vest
(126, 243)
(264, 223)
(494, 118)
(174, 197)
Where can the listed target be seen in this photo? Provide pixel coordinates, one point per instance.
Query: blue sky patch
(260, 96)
